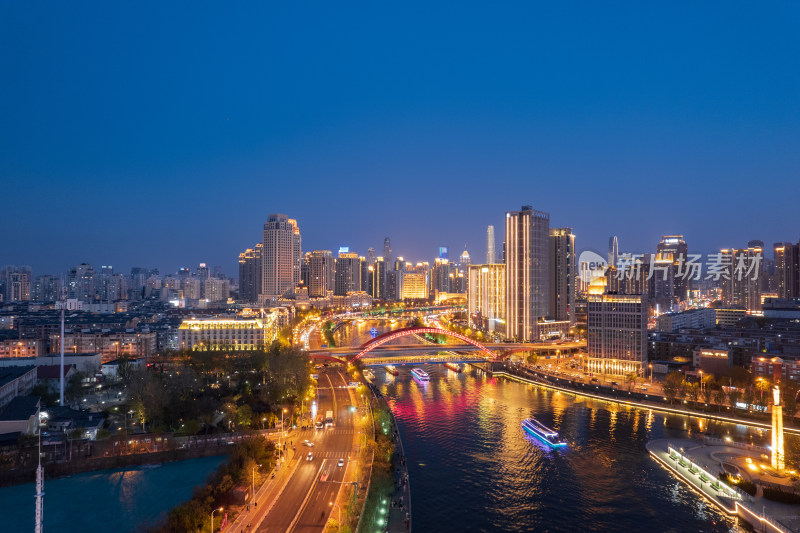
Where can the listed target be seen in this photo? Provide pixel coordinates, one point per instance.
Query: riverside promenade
(699, 465)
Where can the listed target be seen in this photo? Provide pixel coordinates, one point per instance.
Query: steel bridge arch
(404, 332)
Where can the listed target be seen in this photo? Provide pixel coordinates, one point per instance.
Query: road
(304, 503)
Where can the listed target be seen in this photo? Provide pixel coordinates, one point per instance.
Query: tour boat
(369, 374)
(453, 366)
(420, 374)
(542, 432)
(391, 369)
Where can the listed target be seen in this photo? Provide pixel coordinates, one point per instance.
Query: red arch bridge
(486, 352)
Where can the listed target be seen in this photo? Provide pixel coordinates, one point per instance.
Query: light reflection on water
(472, 467)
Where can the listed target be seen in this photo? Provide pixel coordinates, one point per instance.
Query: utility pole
(61, 374)
(39, 479)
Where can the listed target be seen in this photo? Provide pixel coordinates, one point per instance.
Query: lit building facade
(740, 285)
(617, 333)
(414, 285)
(321, 273)
(486, 298)
(787, 270)
(527, 271)
(223, 334)
(250, 274)
(562, 275)
(17, 283)
(347, 274)
(280, 256)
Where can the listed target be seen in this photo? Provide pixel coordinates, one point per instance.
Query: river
(473, 469)
(122, 501)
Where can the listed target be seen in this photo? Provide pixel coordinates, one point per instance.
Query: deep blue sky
(139, 134)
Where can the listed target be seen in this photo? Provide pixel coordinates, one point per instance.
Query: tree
(673, 386)
(631, 377)
(693, 391)
(789, 392)
(733, 397)
(718, 397)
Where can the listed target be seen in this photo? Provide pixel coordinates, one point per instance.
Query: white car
(308, 443)
(309, 457)
(341, 462)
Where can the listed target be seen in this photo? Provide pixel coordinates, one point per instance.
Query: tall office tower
(321, 273)
(613, 251)
(414, 283)
(562, 274)
(527, 271)
(280, 256)
(399, 264)
(81, 283)
(202, 272)
(138, 278)
(46, 289)
(377, 279)
(444, 252)
(464, 260)
(250, 274)
(617, 333)
(490, 255)
(370, 256)
(391, 285)
(348, 273)
(740, 284)
(363, 267)
(443, 275)
(673, 248)
(17, 281)
(305, 273)
(486, 295)
(387, 252)
(787, 269)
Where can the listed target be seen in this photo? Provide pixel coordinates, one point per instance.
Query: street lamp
(254, 481)
(212, 518)
(280, 437)
(339, 523)
(651, 372)
(701, 381)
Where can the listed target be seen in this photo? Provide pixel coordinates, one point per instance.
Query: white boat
(542, 432)
(420, 374)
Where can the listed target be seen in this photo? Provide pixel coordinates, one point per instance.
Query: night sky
(144, 135)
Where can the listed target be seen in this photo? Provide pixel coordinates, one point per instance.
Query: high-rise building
(387, 252)
(250, 274)
(17, 282)
(487, 296)
(673, 248)
(46, 289)
(562, 274)
(81, 283)
(490, 255)
(444, 251)
(377, 279)
(280, 256)
(347, 274)
(202, 271)
(617, 333)
(370, 256)
(443, 276)
(527, 271)
(613, 251)
(216, 290)
(321, 273)
(787, 269)
(414, 283)
(740, 284)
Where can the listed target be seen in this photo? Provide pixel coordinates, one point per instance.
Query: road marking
(305, 501)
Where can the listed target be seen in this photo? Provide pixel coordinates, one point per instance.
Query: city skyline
(311, 121)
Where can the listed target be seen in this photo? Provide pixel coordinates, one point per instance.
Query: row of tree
(739, 388)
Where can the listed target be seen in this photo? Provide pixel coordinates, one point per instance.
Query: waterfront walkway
(700, 465)
(399, 519)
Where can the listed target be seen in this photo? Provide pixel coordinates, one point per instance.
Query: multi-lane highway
(305, 502)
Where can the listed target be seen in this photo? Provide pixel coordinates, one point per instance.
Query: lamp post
(339, 522)
(280, 437)
(701, 382)
(254, 481)
(212, 518)
(651, 372)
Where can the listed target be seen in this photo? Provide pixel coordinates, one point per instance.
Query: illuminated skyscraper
(527, 271)
(321, 273)
(617, 333)
(740, 284)
(672, 248)
(490, 255)
(387, 252)
(613, 251)
(787, 269)
(562, 274)
(250, 274)
(348, 273)
(487, 295)
(281, 256)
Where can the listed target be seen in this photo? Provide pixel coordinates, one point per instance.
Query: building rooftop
(20, 408)
(10, 373)
(52, 371)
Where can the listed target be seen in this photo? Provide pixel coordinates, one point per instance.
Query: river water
(122, 501)
(473, 469)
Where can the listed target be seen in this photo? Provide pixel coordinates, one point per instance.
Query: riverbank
(633, 399)
(93, 464)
